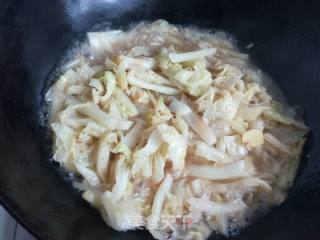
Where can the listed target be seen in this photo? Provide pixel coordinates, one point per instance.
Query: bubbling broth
(172, 129)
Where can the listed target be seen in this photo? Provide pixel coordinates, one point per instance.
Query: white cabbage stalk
(151, 86)
(97, 85)
(238, 125)
(146, 170)
(125, 105)
(112, 137)
(193, 120)
(290, 169)
(252, 113)
(85, 73)
(87, 173)
(276, 143)
(133, 136)
(110, 204)
(97, 90)
(214, 208)
(76, 89)
(157, 78)
(273, 115)
(103, 155)
(211, 153)
(142, 62)
(193, 78)
(257, 183)
(123, 150)
(196, 186)
(122, 178)
(160, 114)
(253, 89)
(61, 156)
(147, 75)
(158, 168)
(230, 72)
(121, 215)
(240, 186)
(105, 119)
(139, 96)
(182, 127)
(92, 197)
(218, 172)
(177, 147)
(121, 76)
(234, 146)
(114, 109)
(75, 122)
(57, 99)
(65, 134)
(158, 234)
(103, 41)
(223, 108)
(253, 138)
(223, 224)
(160, 195)
(110, 84)
(92, 130)
(220, 145)
(141, 156)
(69, 78)
(72, 64)
(139, 51)
(205, 101)
(184, 57)
(98, 68)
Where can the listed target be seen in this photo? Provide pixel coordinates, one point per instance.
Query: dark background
(34, 33)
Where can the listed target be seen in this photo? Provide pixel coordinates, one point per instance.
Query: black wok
(34, 33)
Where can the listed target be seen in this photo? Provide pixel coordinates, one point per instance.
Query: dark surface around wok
(33, 34)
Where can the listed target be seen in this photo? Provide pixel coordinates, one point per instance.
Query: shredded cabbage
(176, 147)
(184, 57)
(143, 155)
(219, 172)
(173, 130)
(194, 121)
(104, 118)
(211, 153)
(103, 158)
(151, 86)
(194, 81)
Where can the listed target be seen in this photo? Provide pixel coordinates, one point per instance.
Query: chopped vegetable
(151, 86)
(212, 208)
(253, 138)
(194, 81)
(193, 120)
(132, 137)
(184, 57)
(275, 142)
(174, 130)
(177, 147)
(131, 63)
(103, 156)
(104, 118)
(142, 156)
(273, 115)
(160, 196)
(219, 172)
(212, 154)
